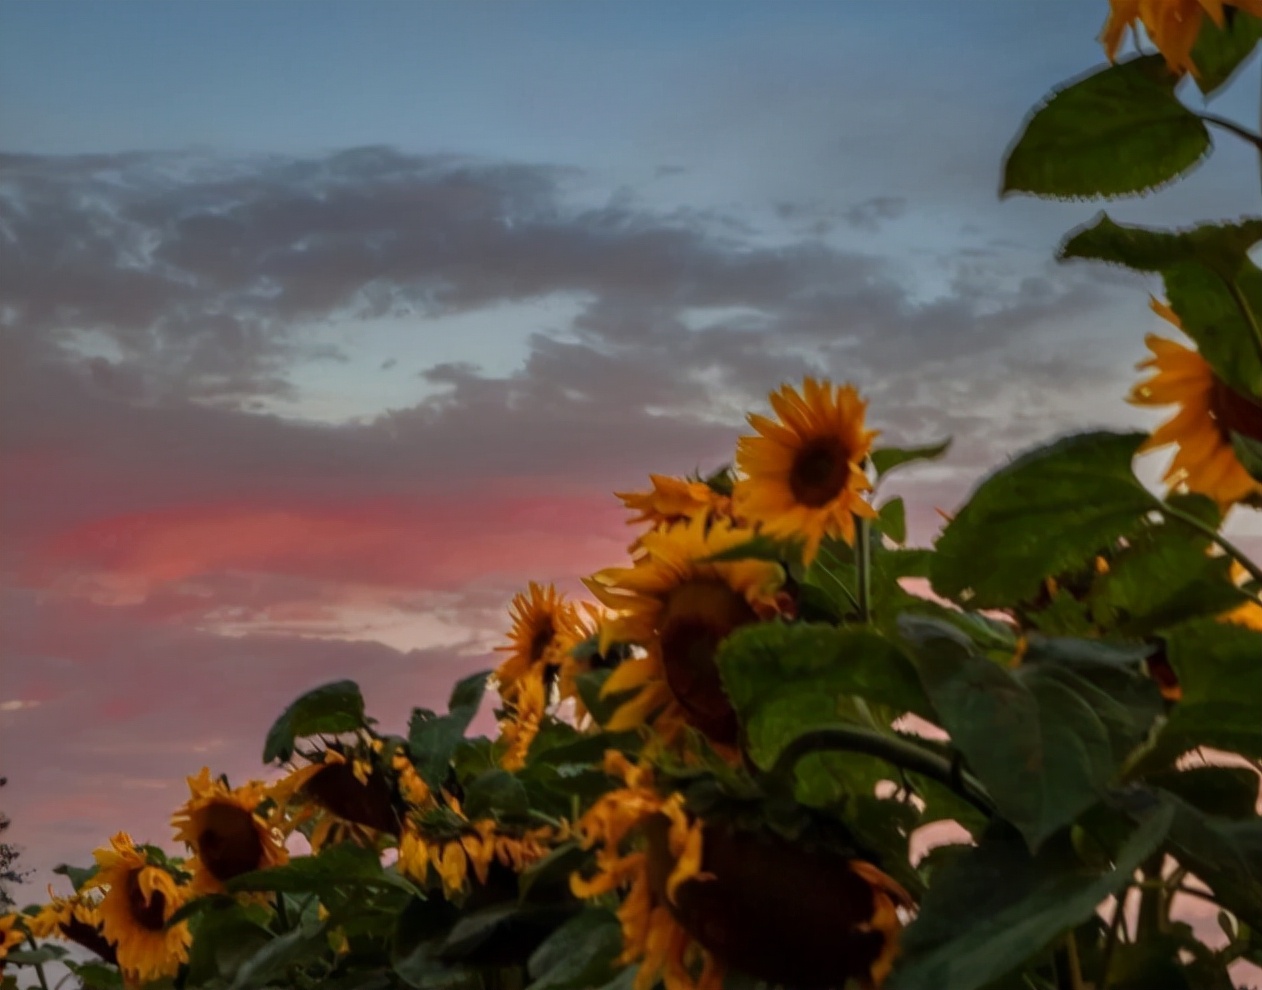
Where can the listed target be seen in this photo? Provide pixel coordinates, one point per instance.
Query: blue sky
(327, 326)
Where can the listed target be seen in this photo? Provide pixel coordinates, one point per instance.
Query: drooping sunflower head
(545, 628)
(1210, 411)
(140, 897)
(706, 892)
(76, 919)
(804, 474)
(522, 720)
(679, 607)
(226, 835)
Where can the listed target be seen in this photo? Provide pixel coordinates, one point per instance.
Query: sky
(324, 328)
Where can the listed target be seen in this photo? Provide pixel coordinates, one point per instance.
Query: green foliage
(433, 739)
(1220, 51)
(1048, 511)
(1116, 131)
(995, 906)
(886, 459)
(327, 710)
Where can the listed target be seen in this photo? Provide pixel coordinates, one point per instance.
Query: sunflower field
(724, 767)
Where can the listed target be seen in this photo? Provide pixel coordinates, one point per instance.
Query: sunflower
(674, 500)
(11, 936)
(1171, 25)
(521, 723)
(679, 608)
(457, 846)
(1210, 411)
(76, 919)
(347, 795)
(651, 935)
(708, 896)
(139, 901)
(226, 834)
(804, 475)
(545, 628)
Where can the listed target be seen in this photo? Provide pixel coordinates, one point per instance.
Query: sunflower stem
(863, 565)
(1110, 942)
(282, 913)
(898, 752)
(1232, 550)
(1236, 129)
(39, 967)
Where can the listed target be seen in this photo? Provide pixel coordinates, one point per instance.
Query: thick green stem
(863, 565)
(900, 753)
(1075, 964)
(1110, 941)
(1234, 551)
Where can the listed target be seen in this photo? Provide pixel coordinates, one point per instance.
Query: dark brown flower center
(338, 789)
(151, 913)
(696, 617)
(819, 472)
(229, 842)
(1234, 412)
(774, 910)
(90, 937)
(541, 640)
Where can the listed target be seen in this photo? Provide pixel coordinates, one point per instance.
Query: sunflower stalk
(1230, 548)
(39, 967)
(898, 752)
(863, 565)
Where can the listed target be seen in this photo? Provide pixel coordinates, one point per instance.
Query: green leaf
(1219, 666)
(993, 907)
(1215, 312)
(1116, 131)
(275, 958)
(329, 709)
(496, 794)
(1223, 248)
(46, 953)
(756, 548)
(1248, 453)
(1219, 52)
(343, 865)
(78, 875)
(96, 976)
(578, 955)
(887, 459)
(433, 739)
(1227, 792)
(504, 933)
(554, 869)
(1048, 511)
(893, 520)
(1040, 749)
(1225, 853)
(600, 706)
(1163, 581)
(770, 668)
(223, 941)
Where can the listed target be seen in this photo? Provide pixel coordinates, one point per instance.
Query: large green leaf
(1116, 131)
(496, 794)
(328, 709)
(433, 739)
(1225, 853)
(1219, 666)
(224, 940)
(992, 908)
(1219, 315)
(1162, 581)
(1049, 511)
(578, 955)
(1219, 52)
(1248, 453)
(1040, 747)
(274, 959)
(343, 865)
(1222, 247)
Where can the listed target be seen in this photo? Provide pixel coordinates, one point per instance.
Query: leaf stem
(1236, 129)
(1232, 550)
(1075, 964)
(898, 752)
(863, 564)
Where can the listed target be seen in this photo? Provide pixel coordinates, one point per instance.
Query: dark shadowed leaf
(327, 710)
